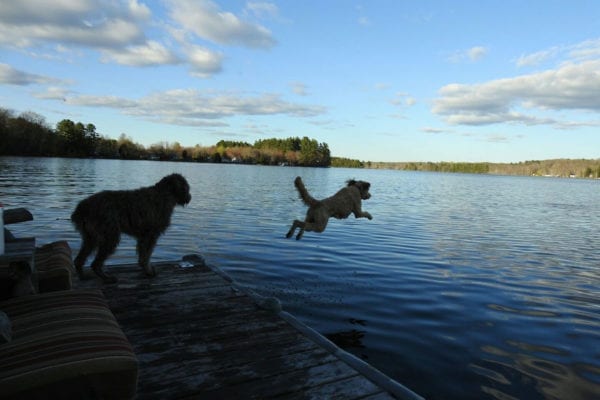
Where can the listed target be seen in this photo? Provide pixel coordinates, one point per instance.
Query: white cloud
(571, 86)
(473, 54)
(100, 101)
(12, 76)
(583, 51)
(299, 88)
(203, 61)
(139, 11)
(150, 53)
(429, 129)
(536, 58)
(262, 9)
(476, 53)
(587, 50)
(191, 107)
(206, 20)
(403, 99)
(91, 23)
(116, 30)
(382, 86)
(364, 21)
(52, 93)
(497, 138)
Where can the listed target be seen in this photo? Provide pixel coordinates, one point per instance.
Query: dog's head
(177, 186)
(363, 188)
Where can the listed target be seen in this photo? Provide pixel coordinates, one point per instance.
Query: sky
(493, 81)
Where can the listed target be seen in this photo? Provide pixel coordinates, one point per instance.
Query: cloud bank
(529, 99)
(125, 32)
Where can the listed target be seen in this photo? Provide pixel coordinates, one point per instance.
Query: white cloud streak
(191, 107)
(90, 23)
(536, 58)
(207, 21)
(149, 53)
(12, 76)
(299, 88)
(262, 9)
(473, 54)
(571, 86)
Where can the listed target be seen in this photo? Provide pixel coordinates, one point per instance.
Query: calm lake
(461, 287)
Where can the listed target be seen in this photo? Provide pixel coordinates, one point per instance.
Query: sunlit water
(461, 287)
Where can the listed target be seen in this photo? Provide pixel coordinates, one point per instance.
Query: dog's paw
(83, 276)
(108, 279)
(150, 271)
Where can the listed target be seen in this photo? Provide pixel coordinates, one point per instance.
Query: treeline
(460, 167)
(291, 151)
(577, 168)
(346, 162)
(28, 134)
(557, 168)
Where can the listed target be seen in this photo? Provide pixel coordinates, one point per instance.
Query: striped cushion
(66, 336)
(54, 266)
(5, 328)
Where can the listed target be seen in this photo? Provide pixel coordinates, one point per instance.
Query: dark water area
(461, 287)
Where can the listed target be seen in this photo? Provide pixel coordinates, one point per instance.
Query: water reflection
(552, 379)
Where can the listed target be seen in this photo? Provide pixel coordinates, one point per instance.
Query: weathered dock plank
(197, 335)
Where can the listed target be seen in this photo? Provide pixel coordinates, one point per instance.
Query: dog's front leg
(362, 214)
(145, 246)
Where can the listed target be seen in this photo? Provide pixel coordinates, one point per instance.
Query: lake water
(461, 287)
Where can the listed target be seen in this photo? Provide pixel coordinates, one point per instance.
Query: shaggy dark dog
(143, 213)
(346, 201)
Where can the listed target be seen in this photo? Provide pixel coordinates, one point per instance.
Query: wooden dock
(198, 335)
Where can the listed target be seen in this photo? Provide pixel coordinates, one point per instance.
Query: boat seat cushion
(66, 344)
(54, 266)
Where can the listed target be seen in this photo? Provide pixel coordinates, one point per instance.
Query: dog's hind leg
(145, 246)
(295, 224)
(87, 247)
(105, 248)
(312, 227)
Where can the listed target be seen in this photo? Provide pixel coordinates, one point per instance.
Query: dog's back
(93, 205)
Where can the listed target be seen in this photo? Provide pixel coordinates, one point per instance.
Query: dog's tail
(304, 195)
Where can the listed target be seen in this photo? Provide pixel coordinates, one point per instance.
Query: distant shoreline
(558, 168)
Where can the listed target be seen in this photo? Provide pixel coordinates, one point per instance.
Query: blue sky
(498, 81)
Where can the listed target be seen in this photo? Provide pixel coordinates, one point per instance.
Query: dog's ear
(351, 182)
